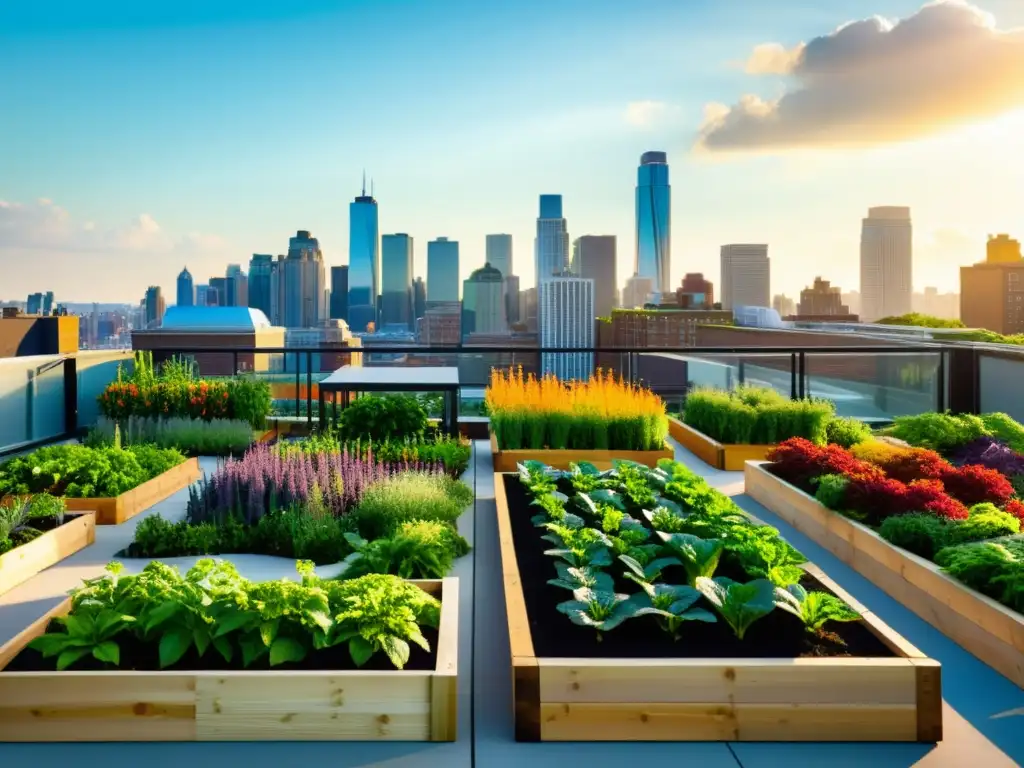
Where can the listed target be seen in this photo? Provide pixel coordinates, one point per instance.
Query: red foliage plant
(799, 461)
(916, 464)
(974, 484)
(875, 499)
(1016, 508)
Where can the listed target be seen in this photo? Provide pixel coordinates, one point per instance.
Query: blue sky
(230, 125)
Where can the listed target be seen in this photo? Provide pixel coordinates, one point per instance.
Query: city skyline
(74, 209)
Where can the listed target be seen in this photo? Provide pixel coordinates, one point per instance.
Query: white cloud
(875, 81)
(644, 114)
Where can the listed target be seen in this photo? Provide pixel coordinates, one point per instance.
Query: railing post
(964, 380)
(70, 396)
(298, 381)
(309, 391)
(794, 393)
(940, 375)
(802, 388)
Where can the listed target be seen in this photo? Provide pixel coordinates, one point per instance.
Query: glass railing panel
(1001, 384)
(874, 387)
(31, 400)
(95, 370)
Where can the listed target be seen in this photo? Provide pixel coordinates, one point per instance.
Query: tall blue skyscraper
(396, 282)
(261, 271)
(654, 221)
(363, 261)
(186, 289)
(552, 245)
(442, 271)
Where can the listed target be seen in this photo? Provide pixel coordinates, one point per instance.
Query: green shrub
(831, 491)
(418, 549)
(847, 432)
(940, 432)
(756, 416)
(922, 533)
(994, 568)
(194, 437)
(78, 471)
(452, 452)
(250, 400)
(1004, 428)
(383, 418)
(410, 496)
(986, 521)
(290, 533)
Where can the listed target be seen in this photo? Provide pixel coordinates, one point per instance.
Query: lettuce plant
(814, 609)
(574, 578)
(739, 605)
(672, 605)
(599, 609)
(698, 556)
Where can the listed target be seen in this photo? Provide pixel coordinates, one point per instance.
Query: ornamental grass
(603, 413)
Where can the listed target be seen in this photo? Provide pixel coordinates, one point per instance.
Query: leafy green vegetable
(814, 608)
(573, 578)
(672, 605)
(599, 609)
(740, 605)
(698, 556)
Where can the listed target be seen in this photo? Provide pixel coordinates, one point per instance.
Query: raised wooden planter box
(305, 705)
(24, 562)
(803, 699)
(992, 632)
(507, 461)
(718, 455)
(114, 511)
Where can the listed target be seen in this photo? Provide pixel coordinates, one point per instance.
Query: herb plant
(739, 605)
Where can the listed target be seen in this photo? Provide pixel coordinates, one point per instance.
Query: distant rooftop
(214, 320)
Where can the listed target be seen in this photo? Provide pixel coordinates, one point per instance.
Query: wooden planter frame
(117, 509)
(347, 705)
(507, 461)
(989, 630)
(803, 699)
(23, 562)
(727, 456)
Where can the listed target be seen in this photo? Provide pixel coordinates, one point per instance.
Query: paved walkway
(976, 695)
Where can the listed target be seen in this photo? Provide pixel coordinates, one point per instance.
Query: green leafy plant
(575, 578)
(598, 609)
(672, 605)
(815, 609)
(379, 418)
(246, 623)
(419, 549)
(756, 416)
(698, 556)
(830, 491)
(940, 432)
(739, 605)
(387, 504)
(846, 431)
(194, 437)
(922, 533)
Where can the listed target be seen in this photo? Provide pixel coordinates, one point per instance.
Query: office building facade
(594, 257)
(186, 293)
(498, 253)
(363, 262)
(442, 272)
(746, 276)
(483, 302)
(552, 244)
(302, 283)
(261, 269)
(565, 306)
(886, 263)
(339, 293)
(654, 221)
(396, 282)
(992, 291)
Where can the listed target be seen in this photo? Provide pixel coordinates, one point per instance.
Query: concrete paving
(976, 696)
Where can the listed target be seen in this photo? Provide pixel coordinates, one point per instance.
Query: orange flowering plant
(603, 413)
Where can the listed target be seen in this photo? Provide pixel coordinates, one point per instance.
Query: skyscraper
(363, 261)
(593, 256)
(552, 244)
(746, 276)
(483, 302)
(566, 319)
(302, 283)
(511, 289)
(261, 269)
(419, 299)
(186, 290)
(654, 221)
(499, 253)
(154, 306)
(886, 263)
(34, 305)
(339, 293)
(442, 271)
(396, 281)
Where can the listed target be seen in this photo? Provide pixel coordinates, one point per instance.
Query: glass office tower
(363, 262)
(653, 221)
(396, 282)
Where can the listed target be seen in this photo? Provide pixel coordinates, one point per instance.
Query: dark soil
(36, 527)
(144, 657)
(780, 635)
